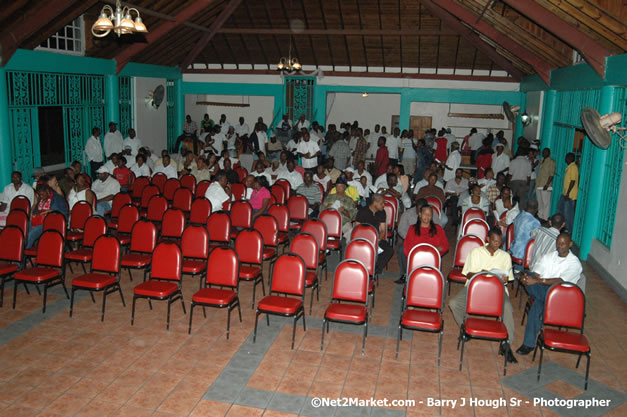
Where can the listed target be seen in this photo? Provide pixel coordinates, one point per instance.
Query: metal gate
(299, 97)
(125, 85)
(170, 97)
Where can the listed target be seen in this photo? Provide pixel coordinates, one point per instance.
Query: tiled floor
(53, 365)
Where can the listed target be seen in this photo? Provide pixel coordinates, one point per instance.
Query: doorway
(51, 137)
(419, 124)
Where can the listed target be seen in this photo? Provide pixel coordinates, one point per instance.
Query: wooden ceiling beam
(217, 24)
(473, 38)
(593, 52)
(153, 36)
(338, 32)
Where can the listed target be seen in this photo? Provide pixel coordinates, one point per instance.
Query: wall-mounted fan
(510, 111)
(598, 127)
(155, 97)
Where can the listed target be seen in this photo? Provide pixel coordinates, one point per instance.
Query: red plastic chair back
(170, 186)
(464, 246)
(241, 173)
(279, 193)
(282, 216)
(434, 201)
(473, 213)
(503, 216)
(306, 246)
(119, 201)
(239, 191)
(362, 251)
(200, 211)
(156, 208)
(269, 229)
(55, 221)
(298, 207)
(159, 180)
(350, 282)
(12, 242)
(195, 242)
(149, 192)
(219, 227)
(333, 220)
(95, 226)
(321, 191)
(319, 230)
(79, 215)
(189, 181)
(565, 306)
(476, 227)
(423, 254)
(50, 249)
(19, 219)
(20, 202)
(425, 288)
(285, 184)
(288, 275)
(182, 200)
(129, 215)
(138, 187)
(166, 262)
(172, 224)
(107, 255)
(242, 214)
(390, 214)
(509, 236)
(201, 188)
(223, 267)
(366, 231)
(394, 201)
(528, 253)
(485, 296)
(249, 246)
(143, 237)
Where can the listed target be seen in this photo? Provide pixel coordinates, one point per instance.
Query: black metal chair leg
(191, 315)
(239, 311)
(93, 299)
(150, 303)
(167, 326)
(294, 332)
(72, 302)
(104, 303)
(540, 363)
(183, 304)
(322, 338)
(133, 311)
(399, 336)
(228, 323)
(204, 311)
(121, 296)
(15, 292)
(255, 332)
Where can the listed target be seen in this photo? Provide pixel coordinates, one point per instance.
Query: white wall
(534, 110)
(259, 106)
(368, 111)
(150, 123)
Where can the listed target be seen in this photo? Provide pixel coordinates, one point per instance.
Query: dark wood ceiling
(521, 37)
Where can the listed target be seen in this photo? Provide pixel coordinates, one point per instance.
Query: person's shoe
(401, 280)
(502, 350)
(510, 357)
(524, 350)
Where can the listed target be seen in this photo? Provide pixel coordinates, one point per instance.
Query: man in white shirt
(301, 123)
(105, 188)
(291, 175)
(361, 172)
(309, 152)
(133, 142)
(224, 125)
(166, 168)
(520, 171)
(242, 130)
(560, 265)
(275, 170)
(453, 162)
(450, 138)
(113, 142)
(545, 238)
(218, 192)
(392, 142)
(17, 187)
(475, 141)
(500, 161)
(140, 168)
(93, 151)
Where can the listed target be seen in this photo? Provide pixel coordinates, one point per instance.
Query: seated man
(374, 214)
(559, 266)
(166, 168)
(343, 203)
(105, 188)
(524, 224)
(219, 192)
(484, 259)
(453, 189)
(545, 238)
(311, 192)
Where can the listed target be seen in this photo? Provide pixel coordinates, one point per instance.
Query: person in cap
(344, 204)
(105, 188)
(12, 190)
(500, 161)
(113, 142)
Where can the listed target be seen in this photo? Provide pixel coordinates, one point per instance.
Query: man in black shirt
(374, 214)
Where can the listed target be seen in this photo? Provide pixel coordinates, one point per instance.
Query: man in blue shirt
(524, 224)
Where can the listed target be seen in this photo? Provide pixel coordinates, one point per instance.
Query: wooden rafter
(324, 22)
(348, 52)
(261, 48)
(311, 45)
(276, 42)
(363, 38)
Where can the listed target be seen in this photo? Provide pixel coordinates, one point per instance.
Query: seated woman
(260, 197)
(46, 201)
(505, 204)
(476, 199)
(426, 231)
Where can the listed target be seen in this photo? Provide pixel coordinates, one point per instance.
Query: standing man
(453, 162)
(190, 127)
(374, 214)
(93, 151)
(520, 171)
(568, 200)
(500, 161)
(301, 123)
(341, 153)
(242, 130)
(113, 142)
(392, 142)
(133, 142)
(544, 182)
(283, 130)
(309, 151)
(361, 147)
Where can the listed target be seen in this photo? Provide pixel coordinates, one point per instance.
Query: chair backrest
(200, 211)
(219, 227)
(156, 207)
(298, 207)
(485, 295)
(172, 223)
(201, 188)
(143, 237)
(170, 186)
(107, 255)
(362, 250)
(333, 220)
(394, 201)
(509, 236)
(50, 249)
(285, 184)
(189, 181)
(269, 229)
(182, 199)
(528, 252)
(249, 246)
(12, 241)
(434, 201)
(195, 242)
(279, 193)
(366, 231)
(149, 192)
(319, 230)
(390, 214)
(119, 201)
(565, 306)
(139, 185)
(423, 254)
(425, 288)
(242, 214)
(241, 173)
(282, 216)
(288, 275)
(472, 213)
(55, 221)
(436, 210)
(350, 282)
(238, 190)
(322, 190)
(129, 214)
(19, 219)
(223, 267)
(79, 215)
(159, 179)
(95, 226)
(166, 262)
(20, 202)
(464, 246)
(306, 246)
(477, 227)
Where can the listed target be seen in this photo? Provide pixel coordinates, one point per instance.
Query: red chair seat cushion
(346, 312)
(31, 252)
(296, 226)
(93, 281)
(456, 275)
(283, 237)
(279, 304)
(156, 289)
(7, 268)
(192, 266)
(566, 340)
(136, 260)
(124, 239)
(249, 272)
(333, 243)
(81, 255)
(214, 296)
(322, 258)
(517, 260)
(422, 319)
(74, 236)
(112, 224)
(37, 274)
(310, 278)
(485, 328)
(269, 253)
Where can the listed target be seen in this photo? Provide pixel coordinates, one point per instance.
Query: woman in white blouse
(476, 199)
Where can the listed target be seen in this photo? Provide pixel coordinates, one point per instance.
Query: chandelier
(121, 22)
(288, 64)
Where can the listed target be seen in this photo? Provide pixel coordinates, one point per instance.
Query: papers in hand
(336, 205)
(499, 273)
(379, 251)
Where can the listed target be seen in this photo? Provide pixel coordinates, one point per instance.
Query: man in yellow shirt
(483, 259)
(568, 199)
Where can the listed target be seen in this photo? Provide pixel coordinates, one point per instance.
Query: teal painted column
(5, 136)
(548, 116)
(595, 190)
(320, 105)
(520, 129)
(405, 111)
(277, 112)
(112, 101)
(179, 106)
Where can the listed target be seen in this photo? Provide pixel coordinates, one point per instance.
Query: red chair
(476, 227)
(288, 279)
(195, 248)
(12, 241)
(333, 220)
(362, 250)
(434, 201)
(156, 208)
(165, 279)
(472, 213)
(222, 272)
(269, 229)
(298, 207)
(423, 254)
(200, 211)
(390, 220)
(319, 230)
(189, 181)
(279, 193)
(219, 228)
(525, 262)
(81, 211)
(104, 275)
(95, 226)
(119, 201)
(349, 301)
(322, 191)
(142, 245)
(394, 201)
(170, 187)
(239, 191)
(305, 245)
(565, 308)
(20, 202)
(282, 216)
(129, 215)
(241, 217)
(182, 200)
(19, 219)
(48, 268)
(503, 216)
(509, 236)
(436, 210)
(285, 184)
(485, 297)
(149, 192)
(172, 225)
(159, 180)
(242, 173)
(249, 248)
(138, 188)
(53, 221)
(201, 188)
(366, 231)
(464, 246)
(425, 293)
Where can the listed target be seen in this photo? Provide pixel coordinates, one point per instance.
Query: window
(69, 40)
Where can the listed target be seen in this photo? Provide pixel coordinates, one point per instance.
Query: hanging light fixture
(119, 21)
(290, 64)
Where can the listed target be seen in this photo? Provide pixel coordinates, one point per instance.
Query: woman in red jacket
(426, 231)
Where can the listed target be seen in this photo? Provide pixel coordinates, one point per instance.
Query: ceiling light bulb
(103, 23)
(127, 23)
(139, 25)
